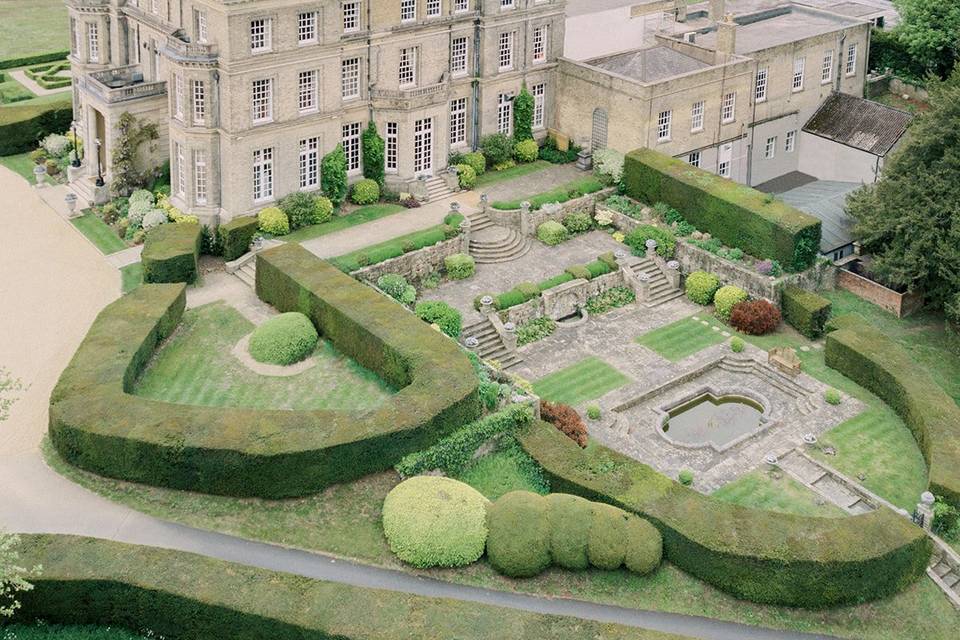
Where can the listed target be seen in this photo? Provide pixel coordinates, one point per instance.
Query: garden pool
(709, 420)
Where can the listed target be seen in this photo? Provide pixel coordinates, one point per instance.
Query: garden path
(54, 284)
(33, 87)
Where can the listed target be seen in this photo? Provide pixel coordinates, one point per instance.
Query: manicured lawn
(345, 520)
(558, 194)
(509, 469)
(20, 164)
(131, 277)
(60, 632)
(32, 27)
(101, 235)
(12, 91)
(586, 380)
(493, 177)
(680, 339)
(760, 490)
(197, 367)
(361, 215)
(392, 248)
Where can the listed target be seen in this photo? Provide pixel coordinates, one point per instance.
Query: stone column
(673, 273)
(484, 201)
(925, 510)
(464, 229)
(525, 219)
(644, 281)
(651, 245)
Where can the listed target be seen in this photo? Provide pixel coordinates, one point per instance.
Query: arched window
(598, 139)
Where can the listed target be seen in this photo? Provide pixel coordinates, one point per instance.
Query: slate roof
(825, 199)
(859, 123)
(649, 65)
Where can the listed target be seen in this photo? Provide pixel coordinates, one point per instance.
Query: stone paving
(539, 263)
(533, 183)
(219, 285)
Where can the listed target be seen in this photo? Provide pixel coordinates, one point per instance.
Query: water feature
(715, 421)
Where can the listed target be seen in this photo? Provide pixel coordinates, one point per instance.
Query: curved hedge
(736, 214)
(190, 597)
(170, 253)
(864, 354)
(96, 424)
(761, 556)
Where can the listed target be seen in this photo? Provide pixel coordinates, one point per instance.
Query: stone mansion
(250, 94)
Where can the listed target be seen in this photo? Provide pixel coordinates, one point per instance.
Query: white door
(423, 147)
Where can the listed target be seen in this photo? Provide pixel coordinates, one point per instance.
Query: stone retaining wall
(526, 222)
(418, 264)
(562, 300)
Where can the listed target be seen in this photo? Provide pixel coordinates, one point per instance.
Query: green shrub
(725, 298)
(23, 61)
(871, 359)
(528, 289)
(476, 160)
(556, 280)
(832, 396)
(285, 339)
(612, 298)
(373, 148)
(523, 106)
(736, 344)
(322, 210)
(701, 287)
(466, 176)
(606, 547)
(497, 149)
(333, 175)
(237, 235)
(805, 311)
(536, 329)
(170, 253)
(552, 233)
(637, 240)
(644, 546)
(518, 543)
(509, 299)
(552, 154)
(454, 452)
(579, 271)
(442, 315)
(571, 523)
(22, 126)
(608, 165)
(274, 221)
(365, 191)
(435, 522)
(526, 151)
(299, 208)
(593, 411)
(397, 287)
(734, 213)
(685, 477)
(577, 222)
(598, 268)
(625, 205)
(459, 266)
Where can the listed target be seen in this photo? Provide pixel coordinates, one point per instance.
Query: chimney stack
(718, 8)
(727, 36)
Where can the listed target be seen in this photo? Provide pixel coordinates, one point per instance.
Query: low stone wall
(417, 264)
(562, 300)
(526, 222)
(621, 221)
(899, 304)
(901, 88)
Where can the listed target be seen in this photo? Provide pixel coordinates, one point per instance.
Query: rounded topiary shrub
(467, 176)
(435, 522)
(518, 543)
(725, 299)
(643, 546)
(571, 518)
(701, 286)
(577, 222)
(606, 547)
(397, 287)
(526, 150)
(285, 339)
(366, 191)
(755, 317)
(476, 160)
(273, 220)
(300, 209)
(459, 266)
(322, 210)
(552, 233)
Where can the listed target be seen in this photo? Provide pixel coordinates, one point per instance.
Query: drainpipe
(841, 61)
(369, 64)
(475, 85)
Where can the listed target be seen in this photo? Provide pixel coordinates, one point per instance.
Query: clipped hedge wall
(23, 126)
(761, 556)
(805, 311)
(191, 597)
(170, 253)
(13, 63)
(864, 354)
(736, 214)
(237, 235)
(98, 425)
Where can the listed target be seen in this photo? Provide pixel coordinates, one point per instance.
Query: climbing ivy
(132, 134)
(523, 115)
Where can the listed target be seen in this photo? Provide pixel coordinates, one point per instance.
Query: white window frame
(826, 67)
(697, 111)
(261, 100)
(93, 42)
(407, 67)
(724, 166)
(505, 50)
(408, 10)
(433, 8)
(799, 64)
(423, 146)
(350, 138)
(199, 99)
(664, 125)
(728, 108)
(507, 4)
(307, 27)
(200, 18)
(309, 163)
(458, 122)
(261, 35)
(350, 78)
(760, 87)
(539, 92)
(351, 16)
(178, 96)
(459, 56)
(540, 44)
(181, 179)
(307, 84)
(461, 6)
(263, 174)
(505, 114)
(770, 149)
(851, 64)
(155, 7)
(790, 141)
(694, 159)
(392, 148)
(200, 176)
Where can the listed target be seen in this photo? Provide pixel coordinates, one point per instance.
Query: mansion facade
(249, 95)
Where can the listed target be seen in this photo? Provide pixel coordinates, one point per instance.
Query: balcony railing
(192, 51)
(408, 94)
(121, 84)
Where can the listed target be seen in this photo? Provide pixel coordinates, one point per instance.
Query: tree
(523, 115)
(132, 134)
(930, 30)
(13, 577)
(373, 154)
(333, 175)
(910, 218)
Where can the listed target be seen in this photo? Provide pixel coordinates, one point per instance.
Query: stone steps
(504, 249)
(811, 474)
(661, 290)
(490, 346)
(437, 189)
(248, 274)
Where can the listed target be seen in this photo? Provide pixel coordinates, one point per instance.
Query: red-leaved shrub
(755, 317)
(566, 419)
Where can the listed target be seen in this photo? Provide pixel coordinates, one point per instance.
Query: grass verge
(99, 233)
(20, 164)
(66, 632)
(568, 191)
(33, 26)
(359, 216)
(131, 277)
(376, 253)
(516, 171)
(585, 380)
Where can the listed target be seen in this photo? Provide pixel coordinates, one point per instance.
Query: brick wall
(899, 304)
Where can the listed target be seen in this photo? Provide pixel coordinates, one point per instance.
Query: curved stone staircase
(490, 243)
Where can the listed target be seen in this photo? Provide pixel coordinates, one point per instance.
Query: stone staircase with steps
(490, 346)
(830, 487)
(437, 189)
(944, 570)
(248, 273)
(805, 397)
(490, 243)
(661, 290)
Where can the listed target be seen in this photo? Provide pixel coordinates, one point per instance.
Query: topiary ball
(518, 544)
(435, 522)
(284, 340)
(366, 191)
(701, 286)
(725, 299)
(571, 518)
(606, 547)
(643, 546)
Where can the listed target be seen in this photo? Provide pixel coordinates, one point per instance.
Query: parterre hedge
(190, 597)
(96, 424)
(805, 311)
(761, 556)
(236, 236)
(736, 214)
(22, 126)
(864, 354)
(13, 63)
(170, 253)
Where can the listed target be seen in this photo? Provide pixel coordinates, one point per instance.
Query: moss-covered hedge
(22, 126)
(190, 597)
(236, 236)
(756, 555)
(96, 424)
(170, 253)
(736, 214)
(864, 354)
(805, 311)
